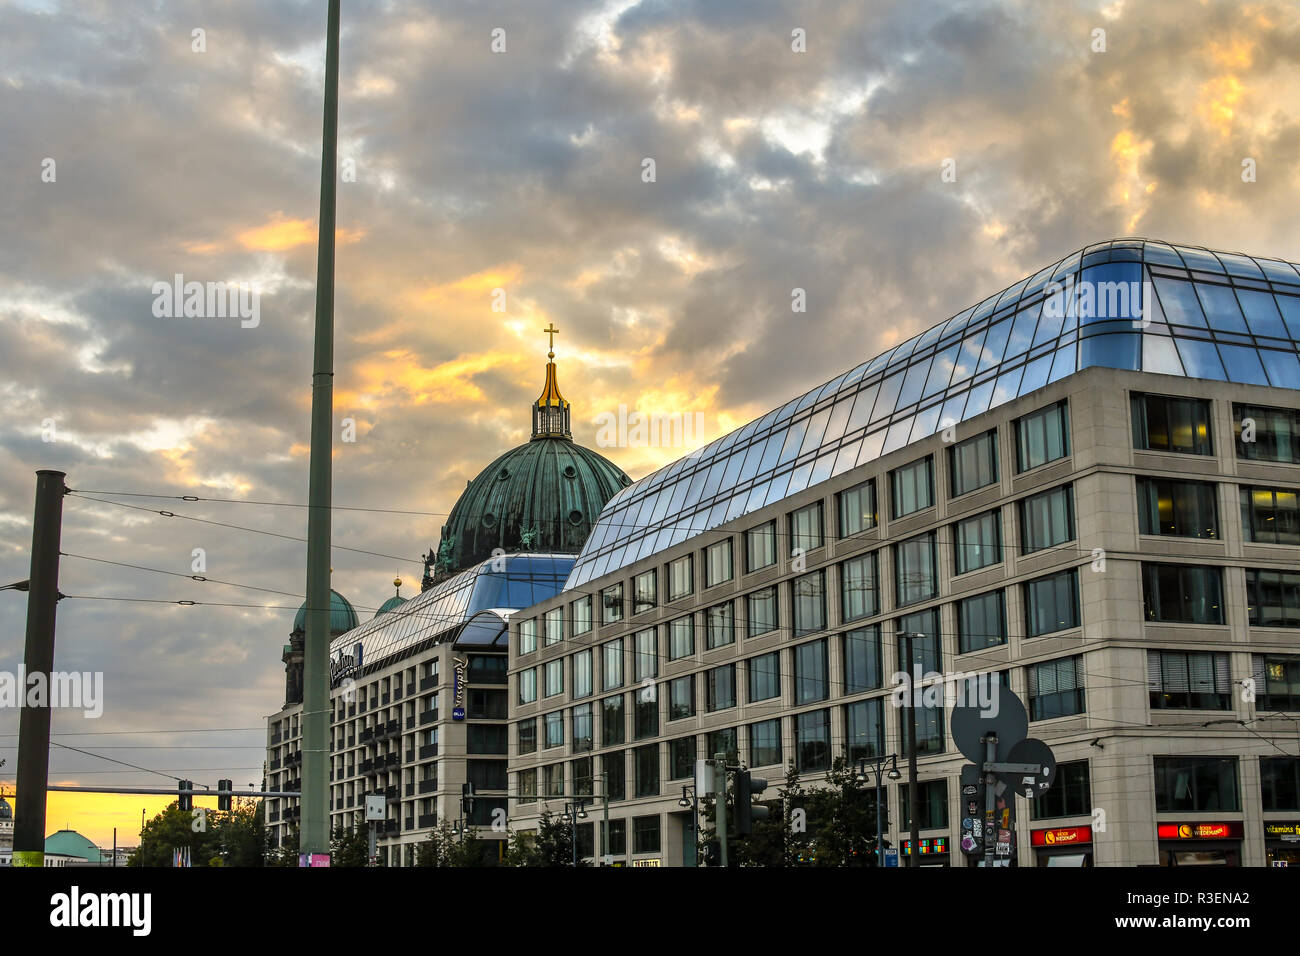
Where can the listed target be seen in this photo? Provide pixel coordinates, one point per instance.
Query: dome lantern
(551, 410)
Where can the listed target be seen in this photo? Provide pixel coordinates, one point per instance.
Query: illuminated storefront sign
(928, 845)
(1060, 836)
(1290, 832)
(654, 862)
(1200, 831)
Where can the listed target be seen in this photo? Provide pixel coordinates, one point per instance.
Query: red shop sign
(1060, 836)
(1231, 830)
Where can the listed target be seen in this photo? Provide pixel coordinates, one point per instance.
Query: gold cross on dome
(550, 330)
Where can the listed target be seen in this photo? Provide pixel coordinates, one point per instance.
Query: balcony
(274, 764)
(428, 683)
(366, 735)
(428, 717)
(410, 755)
(383, 700)
(410, 789)
(273, 816)
(428, 750)
(394, 726)
(428, 786)
(408, 823)
(410, 689)
(410, 723)
(365, 766)
(276, 738)
(388, 826)
(428, 820)
(391, 795)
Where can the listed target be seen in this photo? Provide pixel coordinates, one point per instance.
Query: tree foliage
(213, 837)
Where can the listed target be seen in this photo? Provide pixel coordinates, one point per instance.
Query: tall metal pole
(38, 661)
(720, 788)
(604, 786)
(913, 797)
(314, 835)
(880, 847)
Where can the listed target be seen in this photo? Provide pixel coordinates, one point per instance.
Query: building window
(978, 541)
(725, 742)
(646, 768)
(583, 729)
(721, 687)
(916, 571)
(717, 563)
(864, 722)
(1052, 603)
(762, 611)
(1056, 688)
(554, 674)
(1165, 423)
(681, 697)
(1270, 516)
(811, 672)
(1047, 519)
(681, 638)
(913, 487)
(645, 834)
(1276, 433)
(681, 758)
(1196, 784)
(973, 464)
(526, 785)
(862, 659)
(553, 625)
(1188, 680)
(926, 656)
(1277, 682)
(614, 769)
(646, 715)
(554, 775)
(859, 588)
(647, 654)
(857, 509)
(765, 743)
(554, 723)
(612, 724)
(611, 604)
(528, 686)
(981, 621)
(813, 741)
(931, 805)
(681, 577)
(929, 730)
(1183, 593)
(528, 636)
(1273, 598)
(527, 732)
(644, 591)
(1279, 779)
(612, 664)
(1042, 436)
(582, 673)
(760, 546)
(581, 610)
(1184, 509)
(764, 677)
(1069, 796)
(720, 625)
(809, 604)
(806, 528)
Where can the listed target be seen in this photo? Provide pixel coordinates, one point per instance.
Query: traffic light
(185, 794)
(224, 801)
(467, 799)
(746, 812)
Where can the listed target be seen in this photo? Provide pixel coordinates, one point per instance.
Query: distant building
(70, 848)
(6, 833)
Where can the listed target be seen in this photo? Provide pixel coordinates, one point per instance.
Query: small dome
(343, 617)
(6, 812)
(395, 601)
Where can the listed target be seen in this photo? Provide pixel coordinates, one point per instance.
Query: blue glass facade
(1129, 304)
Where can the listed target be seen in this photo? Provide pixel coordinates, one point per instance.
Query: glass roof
(518, 580)
(1131, 304)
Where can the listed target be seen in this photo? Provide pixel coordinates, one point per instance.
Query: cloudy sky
(522, 171)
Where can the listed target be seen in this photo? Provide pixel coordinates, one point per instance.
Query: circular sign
(996, 710)
(1031, 751)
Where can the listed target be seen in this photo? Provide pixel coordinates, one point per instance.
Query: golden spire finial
(550, 330)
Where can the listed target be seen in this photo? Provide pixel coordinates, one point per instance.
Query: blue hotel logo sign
(458, 667)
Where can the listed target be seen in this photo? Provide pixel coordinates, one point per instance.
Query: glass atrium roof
(521, 580)
(1129, 304)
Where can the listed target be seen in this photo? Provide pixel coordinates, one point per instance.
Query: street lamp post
(690, 801)
(573, 812)
(894, 774)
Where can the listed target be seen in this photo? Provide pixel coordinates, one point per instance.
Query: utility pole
(913, 796)
(604, 788)
(314, 836)
(720, 788)
(38, 659)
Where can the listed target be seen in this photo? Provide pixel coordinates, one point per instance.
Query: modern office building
(1087, 484)
(418, 692)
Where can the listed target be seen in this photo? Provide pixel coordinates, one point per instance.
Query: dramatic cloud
(129, 158)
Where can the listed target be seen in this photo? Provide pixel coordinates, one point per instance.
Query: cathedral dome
(544, 495)
(343, 617)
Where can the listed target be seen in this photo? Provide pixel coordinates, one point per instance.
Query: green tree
(212, 837)
(350, 847)
(554, 841)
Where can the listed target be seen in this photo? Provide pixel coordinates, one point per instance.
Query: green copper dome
(342, 615)
(393, 602)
